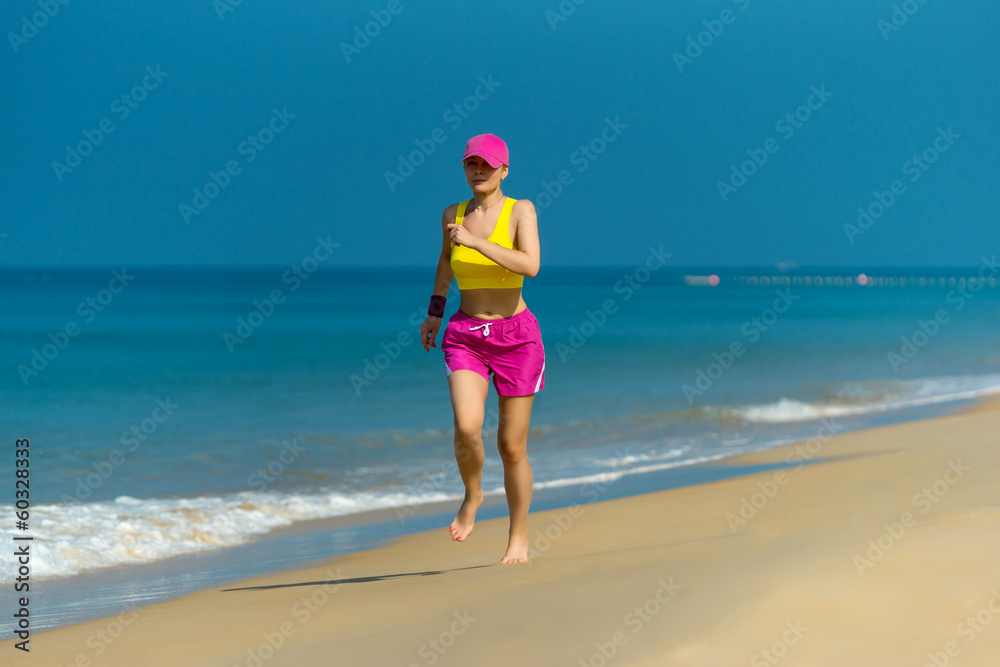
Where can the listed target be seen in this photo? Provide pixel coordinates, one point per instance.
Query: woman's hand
(429, 331)
(459, 235)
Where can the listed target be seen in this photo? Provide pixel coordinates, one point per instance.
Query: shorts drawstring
(484, 327)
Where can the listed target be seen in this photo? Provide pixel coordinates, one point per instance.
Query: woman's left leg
(512, 442)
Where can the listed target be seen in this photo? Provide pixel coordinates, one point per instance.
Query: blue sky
(309, 128)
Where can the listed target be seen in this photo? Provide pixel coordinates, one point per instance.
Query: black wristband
(436, 307)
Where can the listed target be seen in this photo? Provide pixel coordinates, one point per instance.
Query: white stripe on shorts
(539, 383)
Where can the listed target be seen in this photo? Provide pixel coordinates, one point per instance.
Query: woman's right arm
(444, 274)
(442, 279)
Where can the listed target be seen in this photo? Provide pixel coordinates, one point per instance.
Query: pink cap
(490, 147)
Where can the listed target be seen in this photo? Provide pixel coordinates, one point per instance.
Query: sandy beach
(730, 271)
(875, 547)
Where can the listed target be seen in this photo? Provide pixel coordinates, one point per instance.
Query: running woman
(489, 244)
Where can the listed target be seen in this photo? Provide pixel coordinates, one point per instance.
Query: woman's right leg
(468, 401)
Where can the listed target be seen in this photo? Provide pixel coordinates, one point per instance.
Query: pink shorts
(509, 347)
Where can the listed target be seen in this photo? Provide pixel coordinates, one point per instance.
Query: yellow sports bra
(472, 269)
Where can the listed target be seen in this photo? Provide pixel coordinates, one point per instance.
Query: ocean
(177, 418)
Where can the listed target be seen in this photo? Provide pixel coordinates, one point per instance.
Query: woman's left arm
(524, 261)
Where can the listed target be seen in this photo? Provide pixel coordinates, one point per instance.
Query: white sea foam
(79, 537)
(613, 475)
(909, 394)
(72, 538)
(631, 459)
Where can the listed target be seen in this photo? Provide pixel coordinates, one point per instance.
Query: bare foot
(466, 517)
(517, 550)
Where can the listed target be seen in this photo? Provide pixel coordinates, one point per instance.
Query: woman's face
(481, 176)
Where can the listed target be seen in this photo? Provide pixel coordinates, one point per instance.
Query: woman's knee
(512, 451)
(469, 430)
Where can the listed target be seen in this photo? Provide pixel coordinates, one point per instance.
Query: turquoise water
(166, 419)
